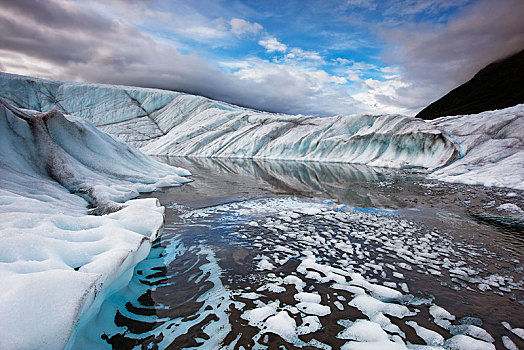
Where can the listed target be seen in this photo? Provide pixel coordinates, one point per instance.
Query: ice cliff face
(56, 262)
(492, 144)
(170, 123)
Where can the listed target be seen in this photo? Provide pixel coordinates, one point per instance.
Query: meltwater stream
(268, 255)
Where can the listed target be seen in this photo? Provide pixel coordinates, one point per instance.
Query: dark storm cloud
(79, 44)
(57, 15)
(437, 58)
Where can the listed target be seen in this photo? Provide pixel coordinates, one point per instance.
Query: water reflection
(240, 179)
(183, 295)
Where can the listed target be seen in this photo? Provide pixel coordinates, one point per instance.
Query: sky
(322, 57)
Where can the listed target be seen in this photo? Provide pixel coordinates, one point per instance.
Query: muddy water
(245, 238)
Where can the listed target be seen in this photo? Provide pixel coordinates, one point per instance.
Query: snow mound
(57, 263)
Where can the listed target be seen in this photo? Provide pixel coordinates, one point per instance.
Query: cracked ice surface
(56, 262)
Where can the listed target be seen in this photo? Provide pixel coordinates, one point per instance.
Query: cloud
(368, 4)
(402, 8)
(241, 27)
(301, 55)
(435, 58)
(103, 42)
(114, 51)
(272, 44)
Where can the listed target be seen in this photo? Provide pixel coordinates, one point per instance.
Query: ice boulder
(57, 263)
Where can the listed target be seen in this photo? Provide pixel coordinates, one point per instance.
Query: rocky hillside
(496, 86)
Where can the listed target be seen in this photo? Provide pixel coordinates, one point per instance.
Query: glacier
(71, 233)
(57, 263)
(485, 149)
(492, 144)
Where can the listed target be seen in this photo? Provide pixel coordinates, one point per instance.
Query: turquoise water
(204, 273)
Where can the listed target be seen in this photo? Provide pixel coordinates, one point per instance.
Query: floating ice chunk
(398, 275)
(519, 332)
(508, 343)
(460, 341)
(259, 314)
(390, 284)
(272, 287)
(371, 307)
(264, 264)
(251, 295)
(506, 325)
(364, 331)
(338, 305)
(368, 335)
(473, 331)
(299, 284)
(404, 266)
(484, 287)
(307, 297)
(312, 308)
(348, 288)
(309, 324)
(310, 210)
(439, 312)
(253, 223)
(283, 325)
(376, 290)
(509, 207)
(431, 338)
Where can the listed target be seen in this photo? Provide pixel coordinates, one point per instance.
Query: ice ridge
(57, 263)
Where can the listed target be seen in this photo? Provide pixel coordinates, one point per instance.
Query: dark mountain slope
(498, 85)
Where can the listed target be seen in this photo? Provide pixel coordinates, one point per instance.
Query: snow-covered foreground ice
(57, 263)
(298, 272)
(170, 123)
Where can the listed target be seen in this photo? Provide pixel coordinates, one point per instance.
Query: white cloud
(241, 27)
(299, 54)
(272, 44)
(117, 52)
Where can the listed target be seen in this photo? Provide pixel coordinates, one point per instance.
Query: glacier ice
(56, 262)
(486, 148)
(492, 144)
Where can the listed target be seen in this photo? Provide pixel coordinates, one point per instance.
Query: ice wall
(169, 123)
(492, 145)
(56, 262)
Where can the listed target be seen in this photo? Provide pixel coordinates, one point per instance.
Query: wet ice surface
(258, 255)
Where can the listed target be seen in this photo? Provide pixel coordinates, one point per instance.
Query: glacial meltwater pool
(267, 255)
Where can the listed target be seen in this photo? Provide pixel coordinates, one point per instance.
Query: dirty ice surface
(303, 255)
